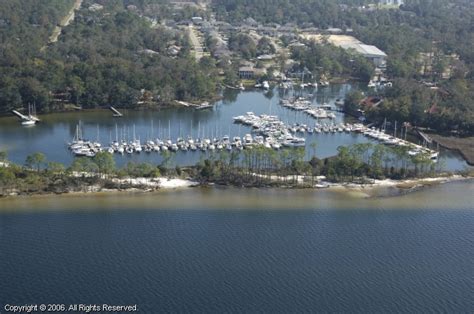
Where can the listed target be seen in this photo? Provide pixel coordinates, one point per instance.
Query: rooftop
(366, 50)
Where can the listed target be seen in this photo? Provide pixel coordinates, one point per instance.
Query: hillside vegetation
(111, 56)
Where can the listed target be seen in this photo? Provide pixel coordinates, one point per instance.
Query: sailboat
(31, 119)
(32, 113)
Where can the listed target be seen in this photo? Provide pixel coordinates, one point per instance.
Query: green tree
(265, 46)
(35, 159)
(55, 167)
(352, 101)
(7, 178)
(105, 163)
(83, 165)
(3, 156)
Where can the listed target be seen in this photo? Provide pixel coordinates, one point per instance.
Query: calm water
(56, 130)
(180, 252)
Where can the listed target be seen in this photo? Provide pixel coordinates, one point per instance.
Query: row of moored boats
(305, 105)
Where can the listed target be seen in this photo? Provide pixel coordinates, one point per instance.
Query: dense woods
(120, 54)
(112, 56)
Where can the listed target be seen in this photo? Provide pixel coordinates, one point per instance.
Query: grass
(465, 145)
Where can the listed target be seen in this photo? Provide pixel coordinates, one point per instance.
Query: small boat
(324, 83)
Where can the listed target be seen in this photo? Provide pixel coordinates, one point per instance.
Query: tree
(105, 162)
(7, 177)
(244, 44)
(55, 167)
(376, 160)
(352, 101)
(206, 172)
(3, 156)
(265, 46)
(35, 159)
(83, 165)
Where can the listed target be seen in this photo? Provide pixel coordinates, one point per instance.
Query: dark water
(55, 130)
(214, 261)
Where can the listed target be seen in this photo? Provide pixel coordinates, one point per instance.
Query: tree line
(358, 163)
(254, 167)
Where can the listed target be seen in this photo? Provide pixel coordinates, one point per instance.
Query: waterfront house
(246, 72)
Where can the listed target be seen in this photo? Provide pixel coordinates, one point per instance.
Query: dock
(425, 136)
(20, 115)
(116, 112)
(203, 106)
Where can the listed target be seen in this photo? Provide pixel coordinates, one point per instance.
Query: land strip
(465, 146)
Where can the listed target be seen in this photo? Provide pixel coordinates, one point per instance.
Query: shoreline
(376, 188)
(389, 187)
(457, 144)
(157, 107)
(450, 197)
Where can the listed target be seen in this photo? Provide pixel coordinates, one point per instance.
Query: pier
(20, 115)
(116, 112)
(30, 119)
(425, 136)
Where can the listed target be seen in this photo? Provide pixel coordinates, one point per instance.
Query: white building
(392, 2)
(372, 53)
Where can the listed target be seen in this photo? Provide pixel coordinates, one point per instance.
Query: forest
(113, 56)
(119, 55)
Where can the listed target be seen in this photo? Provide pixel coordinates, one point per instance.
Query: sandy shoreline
(371, 189)
(388, 187)
(401, 184)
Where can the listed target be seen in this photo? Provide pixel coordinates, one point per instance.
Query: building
(372, 53)
(392, 2)
(266, 57)
(197, 20)
(96, 7)
(250, 72)
(246, 72)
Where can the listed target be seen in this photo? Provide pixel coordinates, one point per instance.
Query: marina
(141, 136)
